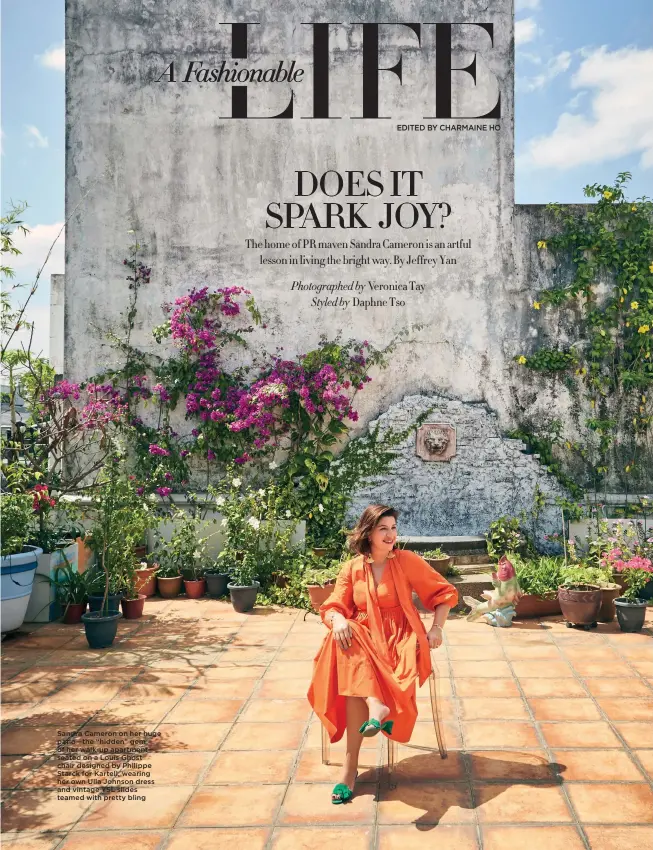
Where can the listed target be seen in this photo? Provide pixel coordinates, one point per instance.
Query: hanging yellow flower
(541, 245)
(633, 209)
(536, 305)
(650, 268)
(643, 329)
(607, 194)
(634, 305)
(621, 300)
(521, 359)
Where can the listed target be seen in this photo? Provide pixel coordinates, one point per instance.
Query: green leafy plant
(436, 553)
(539, 576)
(16, 511)
(602, 297)
(505, 536)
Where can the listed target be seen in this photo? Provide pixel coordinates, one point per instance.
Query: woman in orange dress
(365, 673)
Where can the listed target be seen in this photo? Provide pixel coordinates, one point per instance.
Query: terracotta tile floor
(550, 732)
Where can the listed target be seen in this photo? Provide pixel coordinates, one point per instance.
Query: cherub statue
(499, 607)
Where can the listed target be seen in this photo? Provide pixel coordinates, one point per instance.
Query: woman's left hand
(434, 636)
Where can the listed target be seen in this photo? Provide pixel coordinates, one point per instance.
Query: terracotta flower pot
(132, 609)
(440, 565)
(319, 594)
(169, 587)
(607, 610)
(73, 614)
(530, 605)
(580, 604)
(146, 580)
(195, 588)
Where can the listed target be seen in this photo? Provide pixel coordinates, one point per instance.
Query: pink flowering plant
(628, 549)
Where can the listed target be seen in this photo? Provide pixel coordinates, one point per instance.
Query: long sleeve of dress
(342, 596)
(430, 586)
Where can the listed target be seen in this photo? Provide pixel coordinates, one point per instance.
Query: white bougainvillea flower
(288, 513)
(272, 465)
(220, 500)
(236, 482)
(254, 522)
(320, 508)
(261, 492)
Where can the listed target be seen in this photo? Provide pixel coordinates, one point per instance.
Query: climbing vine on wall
(603, 272)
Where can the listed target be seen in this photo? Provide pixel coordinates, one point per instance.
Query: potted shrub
(320, 580)
(580, 603)
(71, 591)
(132, 602)
(600, 576)
(121, 518)
(243, 587)
(168, 580)
(438, 559)
(539, 579)
(627, 551)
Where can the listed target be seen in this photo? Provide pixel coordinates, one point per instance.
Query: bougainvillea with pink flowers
(628, 549)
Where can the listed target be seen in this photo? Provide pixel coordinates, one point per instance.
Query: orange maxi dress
(389, 654)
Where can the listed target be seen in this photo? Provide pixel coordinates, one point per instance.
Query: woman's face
(384, 536)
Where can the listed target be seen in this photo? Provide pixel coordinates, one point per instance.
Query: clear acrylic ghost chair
(392, 745)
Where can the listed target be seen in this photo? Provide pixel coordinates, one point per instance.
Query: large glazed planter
(17, 580)
(530, 605)
(630, 614)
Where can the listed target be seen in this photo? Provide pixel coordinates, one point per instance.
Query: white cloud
(34, 249)
(525, 30)
(554, 67)
(35, 137)
(526, 4)
(54, 57)
(617, 122)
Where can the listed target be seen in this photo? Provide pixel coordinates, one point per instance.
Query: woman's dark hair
(359, 536)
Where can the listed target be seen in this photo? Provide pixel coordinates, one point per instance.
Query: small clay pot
(146, 580)
(132, 609)
(195, 588)
(169, 587)
(319, 594)
(607, 610)
(73, 613)
(440, 565)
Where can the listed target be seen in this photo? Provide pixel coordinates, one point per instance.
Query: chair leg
(435, 709)
(391, 763)
(326, 747)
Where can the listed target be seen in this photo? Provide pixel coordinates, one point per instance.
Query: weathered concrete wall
(160, 159)
(490, 476)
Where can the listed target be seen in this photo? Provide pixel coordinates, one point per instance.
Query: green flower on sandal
(342, 793)
(376, 727)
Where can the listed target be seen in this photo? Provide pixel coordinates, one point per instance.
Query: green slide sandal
(373, 727)
(342, 793)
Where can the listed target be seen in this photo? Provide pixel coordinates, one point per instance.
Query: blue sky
(583, 112)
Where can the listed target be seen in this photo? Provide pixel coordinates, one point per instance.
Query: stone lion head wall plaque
(436, 442)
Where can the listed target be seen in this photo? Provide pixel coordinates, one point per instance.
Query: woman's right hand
(341, 631)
